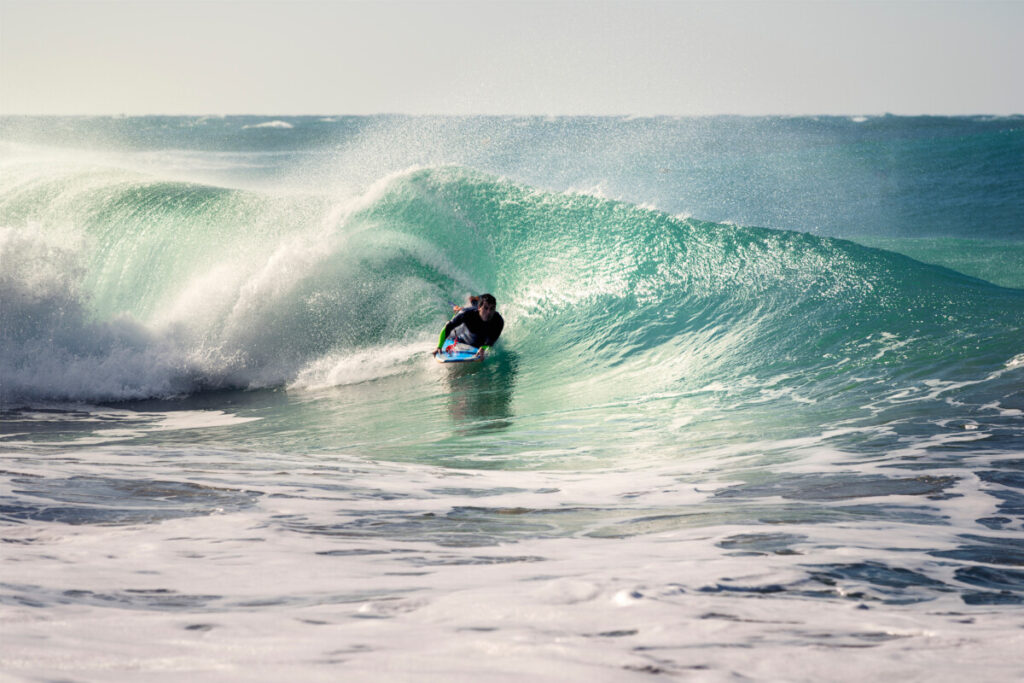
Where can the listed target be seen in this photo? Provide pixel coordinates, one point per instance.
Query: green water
(998, 262)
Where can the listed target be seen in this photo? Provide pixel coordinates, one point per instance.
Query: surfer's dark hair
(488, 298)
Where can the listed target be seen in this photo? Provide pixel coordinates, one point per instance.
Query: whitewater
(757, 413)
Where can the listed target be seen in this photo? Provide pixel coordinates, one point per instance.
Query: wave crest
(161, 289)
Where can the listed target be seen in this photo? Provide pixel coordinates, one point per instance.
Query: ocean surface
(757, 414)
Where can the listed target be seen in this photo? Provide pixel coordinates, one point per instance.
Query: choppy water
(758, 411)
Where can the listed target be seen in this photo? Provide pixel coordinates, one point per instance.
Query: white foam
(284, 125)
(113, 425)
(341, 369)
(52, 349)
(998, 408)
(596, 191)
(243, 594)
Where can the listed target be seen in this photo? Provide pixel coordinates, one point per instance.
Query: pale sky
(639, 57)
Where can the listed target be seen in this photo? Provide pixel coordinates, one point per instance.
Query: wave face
(120, 286)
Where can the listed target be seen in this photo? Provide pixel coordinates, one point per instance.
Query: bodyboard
(454, 351)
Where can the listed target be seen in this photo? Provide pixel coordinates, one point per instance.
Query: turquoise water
(768, 338)
(998, 262)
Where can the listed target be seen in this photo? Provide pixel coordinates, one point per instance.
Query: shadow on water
(480, 394)
(231, 400)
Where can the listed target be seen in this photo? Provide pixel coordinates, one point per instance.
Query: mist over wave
(878, 176)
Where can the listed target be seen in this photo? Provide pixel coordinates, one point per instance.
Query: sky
(547, 57)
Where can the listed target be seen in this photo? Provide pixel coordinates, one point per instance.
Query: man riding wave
(479, 327)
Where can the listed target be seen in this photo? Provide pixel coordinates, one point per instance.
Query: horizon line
(624, 115)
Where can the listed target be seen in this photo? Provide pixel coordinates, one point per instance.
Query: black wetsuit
(471, 329)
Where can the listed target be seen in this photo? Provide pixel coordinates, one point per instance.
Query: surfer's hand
(480, 354)
(436, 351)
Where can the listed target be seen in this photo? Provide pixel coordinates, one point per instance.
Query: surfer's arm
(452, 324)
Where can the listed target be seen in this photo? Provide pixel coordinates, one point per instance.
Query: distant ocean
(757, 414)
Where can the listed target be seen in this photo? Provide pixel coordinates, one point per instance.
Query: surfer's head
(486, 304)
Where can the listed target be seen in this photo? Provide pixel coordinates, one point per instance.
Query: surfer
(479, 327)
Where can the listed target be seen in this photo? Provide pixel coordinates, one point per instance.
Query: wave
(284, 125)
(119, 286)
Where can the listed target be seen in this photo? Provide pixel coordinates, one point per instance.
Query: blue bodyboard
(454, 351)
